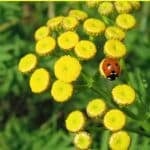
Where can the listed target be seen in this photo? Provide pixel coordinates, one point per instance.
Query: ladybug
(110, 68)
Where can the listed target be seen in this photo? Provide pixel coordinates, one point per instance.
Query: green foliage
(34, 122)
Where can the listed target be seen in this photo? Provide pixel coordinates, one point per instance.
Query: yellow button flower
(55, 23)
(92, 4)
(78, 14)
(114, 120)
(45, 46)
(94, 26)
(113, 32)
(41, 33)
(120, 141)
(85, 49)
(61, 91)
(68, 40)
(123, 6)
(82, 140)
(125, 21)
(123, 94)
(69, 23)
(67, 68)
(75, 121)
(96, 108)
(27, 63)
(105, 8)
(114, 48)
(135, 4)
(39, 80)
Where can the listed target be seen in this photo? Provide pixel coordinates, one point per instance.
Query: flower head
(105, 8)
(85, 49)
(78, 14)
(135, 4)
(27, 63)
(119, 140)
(125, 21)
(68, 40)
(82, 140)
(45, 46)
(96, 108)
(69, 23)
(39, 80)
(114, 48)
(94, 26)
(114, 120)
(123, 6)
(123, 94)
(41, 33)
(75, 121)
(55, 23)
(61, 91)
(113, 32)
(67, 68)
(92, 4)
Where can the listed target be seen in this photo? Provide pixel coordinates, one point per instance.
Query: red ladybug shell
(111, 68)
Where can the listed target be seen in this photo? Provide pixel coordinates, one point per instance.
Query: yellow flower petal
(96, 108)
(67, 68)
(114, 120)
(92, 3)
(113, 32)
(55, 23)
(123, 6)
(114, 48)
(45, 46)
(78, 14)
(82, 140)
(68, 40)
(119, 141)
(61, 91)
(39, 80)
(105, 8)
(85, 49)
(94, 26)
(75, 121)
(27, 63)
(135, 4)
(123, 94)
(69, 23)
(125, 21)
(41, 33)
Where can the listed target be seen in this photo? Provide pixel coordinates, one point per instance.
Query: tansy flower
(114, 120)
(96, 108)
(135, 4)
(85, 49)
(105, 8)
(113, 32)
(125, 21)
(41, 33)
(78, 14)
(82, 140)
(55, 23)
(123, 6)
(27, 63)
(61, 91)
(75, 121)
(92, 3)
(68, 40)
(119, 141)
(69, 23)
(45, 46)
(114, 48)
(67, 68)
(93, 26)
(39, 80)
(123, 94)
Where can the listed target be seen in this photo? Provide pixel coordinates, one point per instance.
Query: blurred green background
(35, 122)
